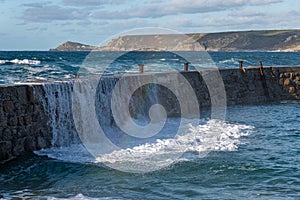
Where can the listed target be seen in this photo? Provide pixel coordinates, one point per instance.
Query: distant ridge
(263, 40)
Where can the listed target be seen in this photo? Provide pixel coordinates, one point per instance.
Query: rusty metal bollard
(261, 68)
(241, 66)
(186, 66)
(141, 68)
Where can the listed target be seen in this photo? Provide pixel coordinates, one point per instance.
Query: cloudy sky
(40, 25)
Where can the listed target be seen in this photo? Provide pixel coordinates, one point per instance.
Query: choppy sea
(255, 153)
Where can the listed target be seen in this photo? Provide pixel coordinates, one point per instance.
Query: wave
(197, 142)
(21, 62)
(230, 61)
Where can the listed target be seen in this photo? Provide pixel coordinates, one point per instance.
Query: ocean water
(252, 154)
(28, 66)
(259, 160)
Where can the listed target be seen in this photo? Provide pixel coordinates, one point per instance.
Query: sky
(41, 25)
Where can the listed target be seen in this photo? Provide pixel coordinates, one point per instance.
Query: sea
(253, 153)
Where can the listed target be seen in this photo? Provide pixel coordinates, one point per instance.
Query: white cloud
(48, 13)
(90, 2)
(176, 7)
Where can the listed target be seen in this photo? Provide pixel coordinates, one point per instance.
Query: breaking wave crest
(210, 135)
(20, 62)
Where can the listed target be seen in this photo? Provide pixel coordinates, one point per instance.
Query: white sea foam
(21, 62)
(211, 135)
(80, 197)
(3, 62)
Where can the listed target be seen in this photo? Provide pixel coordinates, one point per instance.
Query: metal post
(261, 68)
(186, 66)
(241, 64)
(141, 68)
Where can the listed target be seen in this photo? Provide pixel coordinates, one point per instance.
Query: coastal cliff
(73, 46)
(265, 40)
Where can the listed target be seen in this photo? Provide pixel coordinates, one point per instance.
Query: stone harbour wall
(25, 125)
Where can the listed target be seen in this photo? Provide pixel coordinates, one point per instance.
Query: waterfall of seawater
(85, 97)
(56, 99)
(119, 123)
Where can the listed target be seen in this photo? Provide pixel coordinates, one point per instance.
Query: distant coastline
(262, 40)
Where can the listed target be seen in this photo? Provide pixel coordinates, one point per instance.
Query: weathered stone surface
(8, 106)
(287, 82)
(18, 146)
(12, 120)
(292, 90)
(5, 150)
(30, 94)
(281, 81)
(287, 74)
(18, 131)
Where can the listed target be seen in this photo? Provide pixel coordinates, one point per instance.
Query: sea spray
(210, 135)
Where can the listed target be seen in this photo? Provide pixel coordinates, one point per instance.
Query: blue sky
(40, 25)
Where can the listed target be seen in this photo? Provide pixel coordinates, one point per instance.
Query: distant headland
(262, 40)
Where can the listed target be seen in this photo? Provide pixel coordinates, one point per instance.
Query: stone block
(21, 121)
(30, 108)
(27, 119)
(281, 75)
(41, 143)
(292, 90)
(18, 146)
(30, 144)
(287, 75)
(6, 134)
(30, 94)
(8, 107)
(5, 150)
(3, 120)
(12, 121)
(281, 81)
(287, 82)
